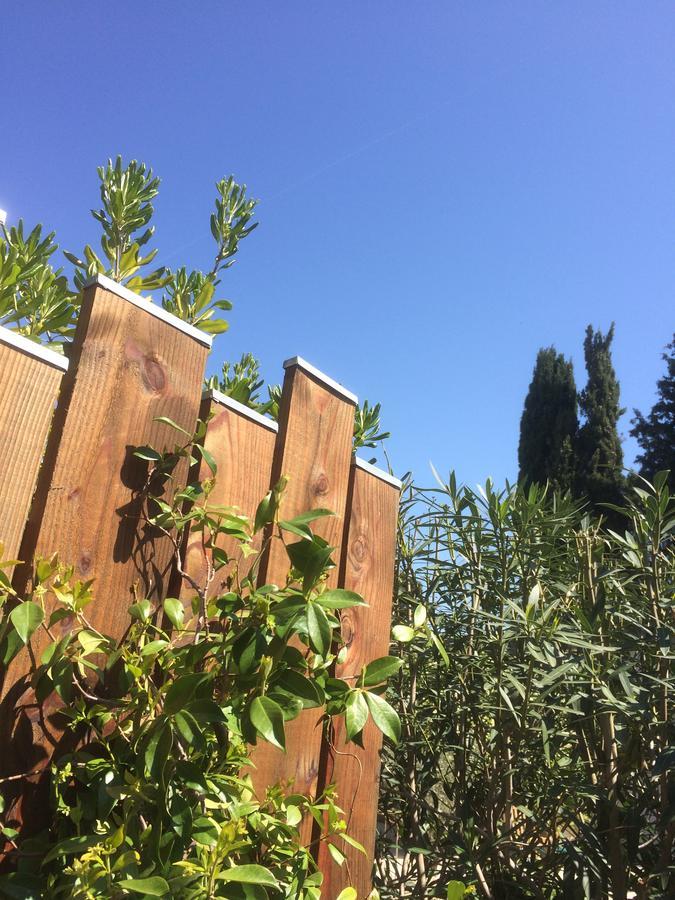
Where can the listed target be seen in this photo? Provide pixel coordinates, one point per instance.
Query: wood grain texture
(29, 388)
(127, 367)
(314, 449)
(368, 569)
(244, 452)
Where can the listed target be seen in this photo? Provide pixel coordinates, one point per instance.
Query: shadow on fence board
(129, 363)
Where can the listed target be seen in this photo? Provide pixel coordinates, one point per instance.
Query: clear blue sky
(445, 187)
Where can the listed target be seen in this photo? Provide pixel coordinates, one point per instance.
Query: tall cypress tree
(656, 433)
(549, 423)
(598, 450)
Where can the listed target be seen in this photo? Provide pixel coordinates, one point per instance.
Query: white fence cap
(19, 342)
(153, 308)
(319, 375)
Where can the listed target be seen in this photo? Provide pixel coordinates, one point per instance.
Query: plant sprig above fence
(191, 296)
(242, 382)
(35, 299)
(126, 209)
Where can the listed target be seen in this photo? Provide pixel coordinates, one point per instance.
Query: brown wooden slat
(130, 363)
(368, 569)
(30, 379)
(316, 424)
(243, 448)
(129, 366)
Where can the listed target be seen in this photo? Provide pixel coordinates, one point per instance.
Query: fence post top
(32, 348)
(300, 363)
(242, 409)
(107, 284)
(378, 473)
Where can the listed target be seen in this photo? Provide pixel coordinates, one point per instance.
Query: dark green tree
(656, 433)
(549, 423)
(599, 456)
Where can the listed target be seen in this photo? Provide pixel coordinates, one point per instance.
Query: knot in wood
(153, 375)
(84, 563)
(347, 629)
(321, 485)
(360, 549)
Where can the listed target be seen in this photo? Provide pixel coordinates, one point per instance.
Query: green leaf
(264, 514)
(300, 524)
(356, 713)
(141, 610)
(165, 420)
(208, 458)
(26, 618)
(420, 616)
(206, 711)
(147, 453)
(296, 685)
(338, 855)
(385, 717)
(158, 749)
(154, 647)
(77, 844)
(189, 729)
(268, 720)
(338, 598)
(182, 691)
(456, 890)
(403, 633)
(311, 558)
(319, 629)
(175, 612)
(249, 874)
(310, 516)
(155, 886)
(347, 894)
(380, 669)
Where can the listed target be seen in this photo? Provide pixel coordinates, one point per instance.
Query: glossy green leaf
(385, 716)
(26, 619)
(268, 720)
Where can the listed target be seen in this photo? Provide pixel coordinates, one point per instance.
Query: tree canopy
(549, 423)
(655, 433)
(599, 453)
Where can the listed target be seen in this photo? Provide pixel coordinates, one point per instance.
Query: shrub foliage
(156, 798)
(536, 699)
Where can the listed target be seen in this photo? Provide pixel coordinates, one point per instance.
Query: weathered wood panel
(130, 363)
(242, 444)
(368, 569)
(316, 423)
(30, 378)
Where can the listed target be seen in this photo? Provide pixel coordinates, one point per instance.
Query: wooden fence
(69, 483)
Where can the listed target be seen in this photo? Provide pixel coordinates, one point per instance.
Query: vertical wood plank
(242, 444)
(368, 569)
(30, 378)
(314, 449)
(131, 362)
(130, 365)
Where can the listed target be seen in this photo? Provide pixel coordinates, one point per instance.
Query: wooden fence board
(316, 424)
(30, 378)
(131, 361)
(130, 365)
(368, 569)
(242, 444)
